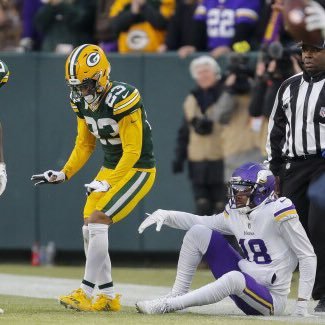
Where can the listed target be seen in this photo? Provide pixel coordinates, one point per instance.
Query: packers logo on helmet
(87, 73)
(4, 73)
(93, 59)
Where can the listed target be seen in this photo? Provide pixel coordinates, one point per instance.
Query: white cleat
(157, 306)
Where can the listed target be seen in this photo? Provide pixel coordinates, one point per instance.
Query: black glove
(202, 125)
(177, 166)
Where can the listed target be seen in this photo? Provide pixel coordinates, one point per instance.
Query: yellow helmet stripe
(74, 60)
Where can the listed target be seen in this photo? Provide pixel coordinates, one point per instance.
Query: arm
(154, 16)
(181, 147)
(130, 127)
(184, 221)
(84, 147)
(122, 18)
(276, 134)
(296, 237)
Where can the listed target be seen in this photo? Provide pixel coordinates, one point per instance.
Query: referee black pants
(296, 178)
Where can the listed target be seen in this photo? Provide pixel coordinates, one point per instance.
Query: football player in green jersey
(113, 113)
(4, 75)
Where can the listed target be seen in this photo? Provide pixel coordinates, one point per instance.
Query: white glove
(158, 217)
(97, 186)
(301, 309)
(315, 17)
(3, 177)
(49, 177)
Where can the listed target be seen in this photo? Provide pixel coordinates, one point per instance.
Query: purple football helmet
(251, 182)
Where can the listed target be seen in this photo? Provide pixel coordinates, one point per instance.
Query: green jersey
(121, 99)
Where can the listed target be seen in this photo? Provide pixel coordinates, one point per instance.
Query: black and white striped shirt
(297, 122)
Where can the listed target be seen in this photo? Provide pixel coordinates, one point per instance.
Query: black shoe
(320, 308)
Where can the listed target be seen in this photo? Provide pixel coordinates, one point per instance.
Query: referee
(296, 149)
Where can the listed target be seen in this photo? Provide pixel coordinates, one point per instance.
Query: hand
(301, 309)
(256, 123)
(219, 51)
(97, 186)
(136, 6)
(185, 51)
(49, 177)
(3, 177)
(315, 17)
(158, 217)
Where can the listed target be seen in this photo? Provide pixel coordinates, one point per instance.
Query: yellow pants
(122, 197)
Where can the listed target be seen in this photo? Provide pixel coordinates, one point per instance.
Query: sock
(85, 235)
(195, 244)
(230, 283)
(96, 255)
(104, 280)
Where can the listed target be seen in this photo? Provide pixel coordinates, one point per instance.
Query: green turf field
(146, 276)
(21, 310)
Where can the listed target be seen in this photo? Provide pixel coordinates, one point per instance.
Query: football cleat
(156, 306)
(76, 300)
(105, 303)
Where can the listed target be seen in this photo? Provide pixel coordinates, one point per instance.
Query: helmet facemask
(250, 186)
(89, 89)
(240, 195)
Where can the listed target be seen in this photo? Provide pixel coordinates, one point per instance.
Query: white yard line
(51, 288)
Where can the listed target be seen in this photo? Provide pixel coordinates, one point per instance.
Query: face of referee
(313, 59)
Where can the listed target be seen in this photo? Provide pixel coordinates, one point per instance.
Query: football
(294, 22)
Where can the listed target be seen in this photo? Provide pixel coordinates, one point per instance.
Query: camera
(282, 55)
(202, 125)
(240, 65)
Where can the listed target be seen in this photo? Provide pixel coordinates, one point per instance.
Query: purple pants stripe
(222, 258)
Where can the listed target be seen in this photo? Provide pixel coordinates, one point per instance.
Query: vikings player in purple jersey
(271, 237)
(229, 23)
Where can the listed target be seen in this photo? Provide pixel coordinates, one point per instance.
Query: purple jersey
(221, 16)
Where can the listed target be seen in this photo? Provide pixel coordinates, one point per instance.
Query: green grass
(148, 276)
(20, 310)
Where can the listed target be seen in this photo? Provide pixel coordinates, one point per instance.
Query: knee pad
(236, 281)
(198, 236)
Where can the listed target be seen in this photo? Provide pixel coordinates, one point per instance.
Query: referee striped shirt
(297, 122)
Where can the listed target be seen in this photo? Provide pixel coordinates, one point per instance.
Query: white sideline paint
(51, 288)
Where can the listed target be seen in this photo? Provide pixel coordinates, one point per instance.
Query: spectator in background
(181, 29)
(229, 25)
(141, 24)
(30, 38)
(104, 33)
(10, 25)
(278, 59)
(65, 24)
(199, 141)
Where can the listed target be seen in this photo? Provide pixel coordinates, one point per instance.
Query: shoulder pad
(284, 210)
(126, 101)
